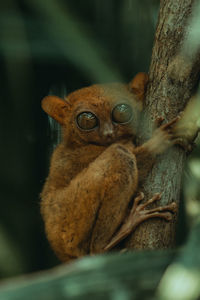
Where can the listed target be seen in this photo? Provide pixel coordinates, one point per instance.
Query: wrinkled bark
(173, 76)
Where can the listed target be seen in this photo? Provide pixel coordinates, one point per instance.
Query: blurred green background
(45, 45)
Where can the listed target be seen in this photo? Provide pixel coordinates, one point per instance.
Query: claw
(139, 214)
(169, 124)
(156, 197)
(173, 207)
(159, 121)
(167, 216)
(139, 198)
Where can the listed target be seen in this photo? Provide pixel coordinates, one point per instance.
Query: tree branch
(173, 77)
(115, 276)
(134, 275)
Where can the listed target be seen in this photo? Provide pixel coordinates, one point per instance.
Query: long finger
(169, 124)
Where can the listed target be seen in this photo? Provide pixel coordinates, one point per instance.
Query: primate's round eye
(87, 120)
(122, 113)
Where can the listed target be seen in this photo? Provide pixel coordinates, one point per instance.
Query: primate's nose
(108, 131)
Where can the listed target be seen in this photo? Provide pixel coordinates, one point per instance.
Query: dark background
(48, 45)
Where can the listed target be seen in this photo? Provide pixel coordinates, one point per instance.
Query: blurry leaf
(75, 43)
(10, 260)
(191, 43)
(181, 280)
(194, 165)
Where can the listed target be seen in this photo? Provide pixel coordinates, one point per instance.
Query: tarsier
(91, 197)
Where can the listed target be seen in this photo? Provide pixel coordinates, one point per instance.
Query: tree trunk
(173, 76)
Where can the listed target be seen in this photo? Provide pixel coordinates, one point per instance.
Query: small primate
(91, 197)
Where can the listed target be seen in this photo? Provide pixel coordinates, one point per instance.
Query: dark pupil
(87, 120)
(122, 113)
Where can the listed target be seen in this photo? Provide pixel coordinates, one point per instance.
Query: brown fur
(93, 174)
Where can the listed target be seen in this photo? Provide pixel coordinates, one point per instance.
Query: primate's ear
(138, 85)
(55, 107)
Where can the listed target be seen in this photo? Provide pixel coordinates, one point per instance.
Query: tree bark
(173, 76)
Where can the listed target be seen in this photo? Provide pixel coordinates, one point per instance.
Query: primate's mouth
(112, 141)
(102, 144)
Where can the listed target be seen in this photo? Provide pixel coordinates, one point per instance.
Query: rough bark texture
(173, 78)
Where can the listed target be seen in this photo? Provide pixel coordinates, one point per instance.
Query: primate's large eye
(122, 113)
(87, 120)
